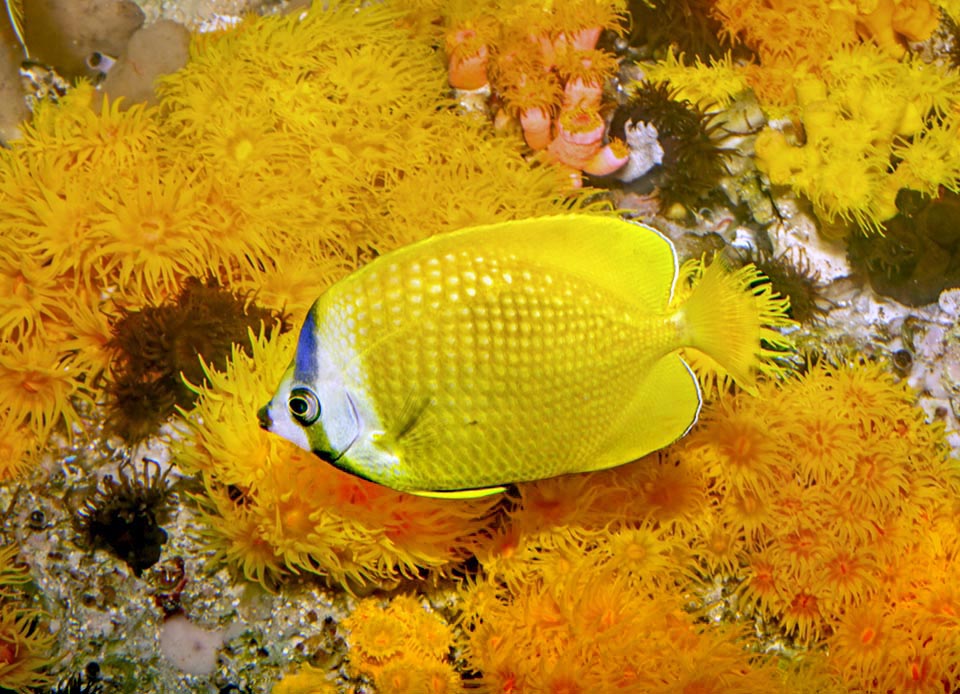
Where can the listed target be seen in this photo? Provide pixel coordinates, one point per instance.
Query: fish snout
(263, 416)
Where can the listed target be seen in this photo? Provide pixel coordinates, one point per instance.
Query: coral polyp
(125, 514)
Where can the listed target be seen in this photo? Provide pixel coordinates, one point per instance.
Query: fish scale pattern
(521, 367)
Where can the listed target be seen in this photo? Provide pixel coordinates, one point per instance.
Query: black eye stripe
(304, 406)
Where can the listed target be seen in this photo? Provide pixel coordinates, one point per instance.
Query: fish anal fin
(664, 408)
(458, 493)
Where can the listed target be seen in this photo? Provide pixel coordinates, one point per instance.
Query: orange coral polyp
(536, 123)
(468, 71)
(802, 616)
(584, 74)
(578, 138)
(582, 126)
(610, 158)
(585, 39)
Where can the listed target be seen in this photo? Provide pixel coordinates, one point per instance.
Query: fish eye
(304, 406)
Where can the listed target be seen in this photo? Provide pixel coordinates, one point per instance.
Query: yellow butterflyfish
(512, 352)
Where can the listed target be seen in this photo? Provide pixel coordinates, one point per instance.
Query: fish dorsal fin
(632, 261)
(459, 493)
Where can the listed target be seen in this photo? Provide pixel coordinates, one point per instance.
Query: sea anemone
(792, 277)
(693, 160)
(78, 684)
(125, 514)
(914, 261)
(688, 26)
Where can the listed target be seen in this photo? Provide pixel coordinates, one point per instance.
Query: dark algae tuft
(87, 683)
(686, 26)
(125, 513)
(918, 255)
(157, 347)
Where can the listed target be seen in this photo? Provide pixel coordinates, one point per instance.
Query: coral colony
(155, 248)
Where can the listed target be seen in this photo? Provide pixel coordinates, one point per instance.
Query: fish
(510, 352)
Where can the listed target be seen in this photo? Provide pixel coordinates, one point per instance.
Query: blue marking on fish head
(312, 406)
(305, 364)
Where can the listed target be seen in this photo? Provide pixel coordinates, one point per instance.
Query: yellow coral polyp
(28, 297)
(19, 448)
(26, 648)
(151, 234)
(715, 84)
(929, 160)
(866, 135)
(37, 387)
(575, 15)
(306, 680)
(402, 647)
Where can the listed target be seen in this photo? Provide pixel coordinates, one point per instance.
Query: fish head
(312, 406)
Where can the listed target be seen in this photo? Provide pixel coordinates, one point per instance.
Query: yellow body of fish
(508, 352)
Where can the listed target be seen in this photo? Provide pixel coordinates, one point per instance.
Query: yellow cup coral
(402, 647)
(864, 137)
(26, 644)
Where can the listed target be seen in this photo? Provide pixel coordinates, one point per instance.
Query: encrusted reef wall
(160, 239)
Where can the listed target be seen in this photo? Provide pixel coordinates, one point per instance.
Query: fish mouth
(263, 417)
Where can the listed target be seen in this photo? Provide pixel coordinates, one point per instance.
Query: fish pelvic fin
(735, 318)
(458, 493)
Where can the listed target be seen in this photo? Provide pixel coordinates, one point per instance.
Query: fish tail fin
(733, 317)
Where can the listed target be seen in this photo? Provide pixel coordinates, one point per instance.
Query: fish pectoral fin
(458, 493)
(663, 409)
(414, 428)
